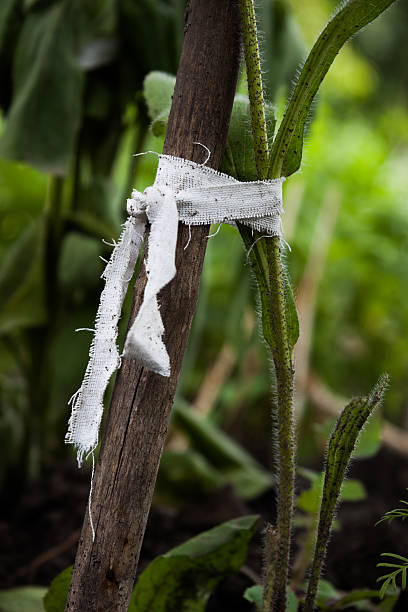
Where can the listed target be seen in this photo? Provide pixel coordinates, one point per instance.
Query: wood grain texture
(138, 418)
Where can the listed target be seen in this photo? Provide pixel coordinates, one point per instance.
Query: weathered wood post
(137, 423)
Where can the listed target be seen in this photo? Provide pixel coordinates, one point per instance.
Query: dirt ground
(39, 536)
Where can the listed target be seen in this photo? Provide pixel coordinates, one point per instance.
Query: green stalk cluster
(267, 264)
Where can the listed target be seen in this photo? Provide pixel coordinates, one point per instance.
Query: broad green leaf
(342, 443)
(56, 596)
(234, 463)
(254, 594)
(44, 117)
(239, 160)
(353, 15)
(22, 298)
(22, 599)
(182, 579)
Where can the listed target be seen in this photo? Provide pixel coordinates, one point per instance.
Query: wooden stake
(137, 423)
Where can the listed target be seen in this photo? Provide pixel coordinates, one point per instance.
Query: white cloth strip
(87, 403)
(183, 191)
(144, 340)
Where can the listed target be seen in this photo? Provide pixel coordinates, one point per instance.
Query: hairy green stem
(267, 264)
(282, 358)
(255, 90)
(341, 445)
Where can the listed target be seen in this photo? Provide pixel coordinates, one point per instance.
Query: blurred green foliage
(73, 112)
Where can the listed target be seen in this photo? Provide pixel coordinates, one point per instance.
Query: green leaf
(23, 599)
(158, 90)
(254, 594)
(309, 500)
(326, 592)
(182, 579)
(22, 299)
(234, 463)
(56, 596)
(352, 490)
(239, 160)
(292, 601)
(260, 262)
(369, 441)
(353, 15)
(44, 117)
(291, 314)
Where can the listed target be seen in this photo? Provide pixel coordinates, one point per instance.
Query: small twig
(251, 574)
(215, 379)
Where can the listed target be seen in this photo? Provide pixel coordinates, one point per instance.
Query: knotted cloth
(182, 191)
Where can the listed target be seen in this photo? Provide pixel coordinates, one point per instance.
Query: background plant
(397, 570)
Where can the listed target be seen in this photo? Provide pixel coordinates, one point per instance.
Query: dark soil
(39, 539)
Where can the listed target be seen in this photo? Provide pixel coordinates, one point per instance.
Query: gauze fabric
(182, 191)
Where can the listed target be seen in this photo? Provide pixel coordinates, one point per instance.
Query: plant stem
(255, 90)
(272, 280)
(282, 358)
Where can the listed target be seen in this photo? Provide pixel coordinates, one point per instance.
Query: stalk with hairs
(279, 318)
